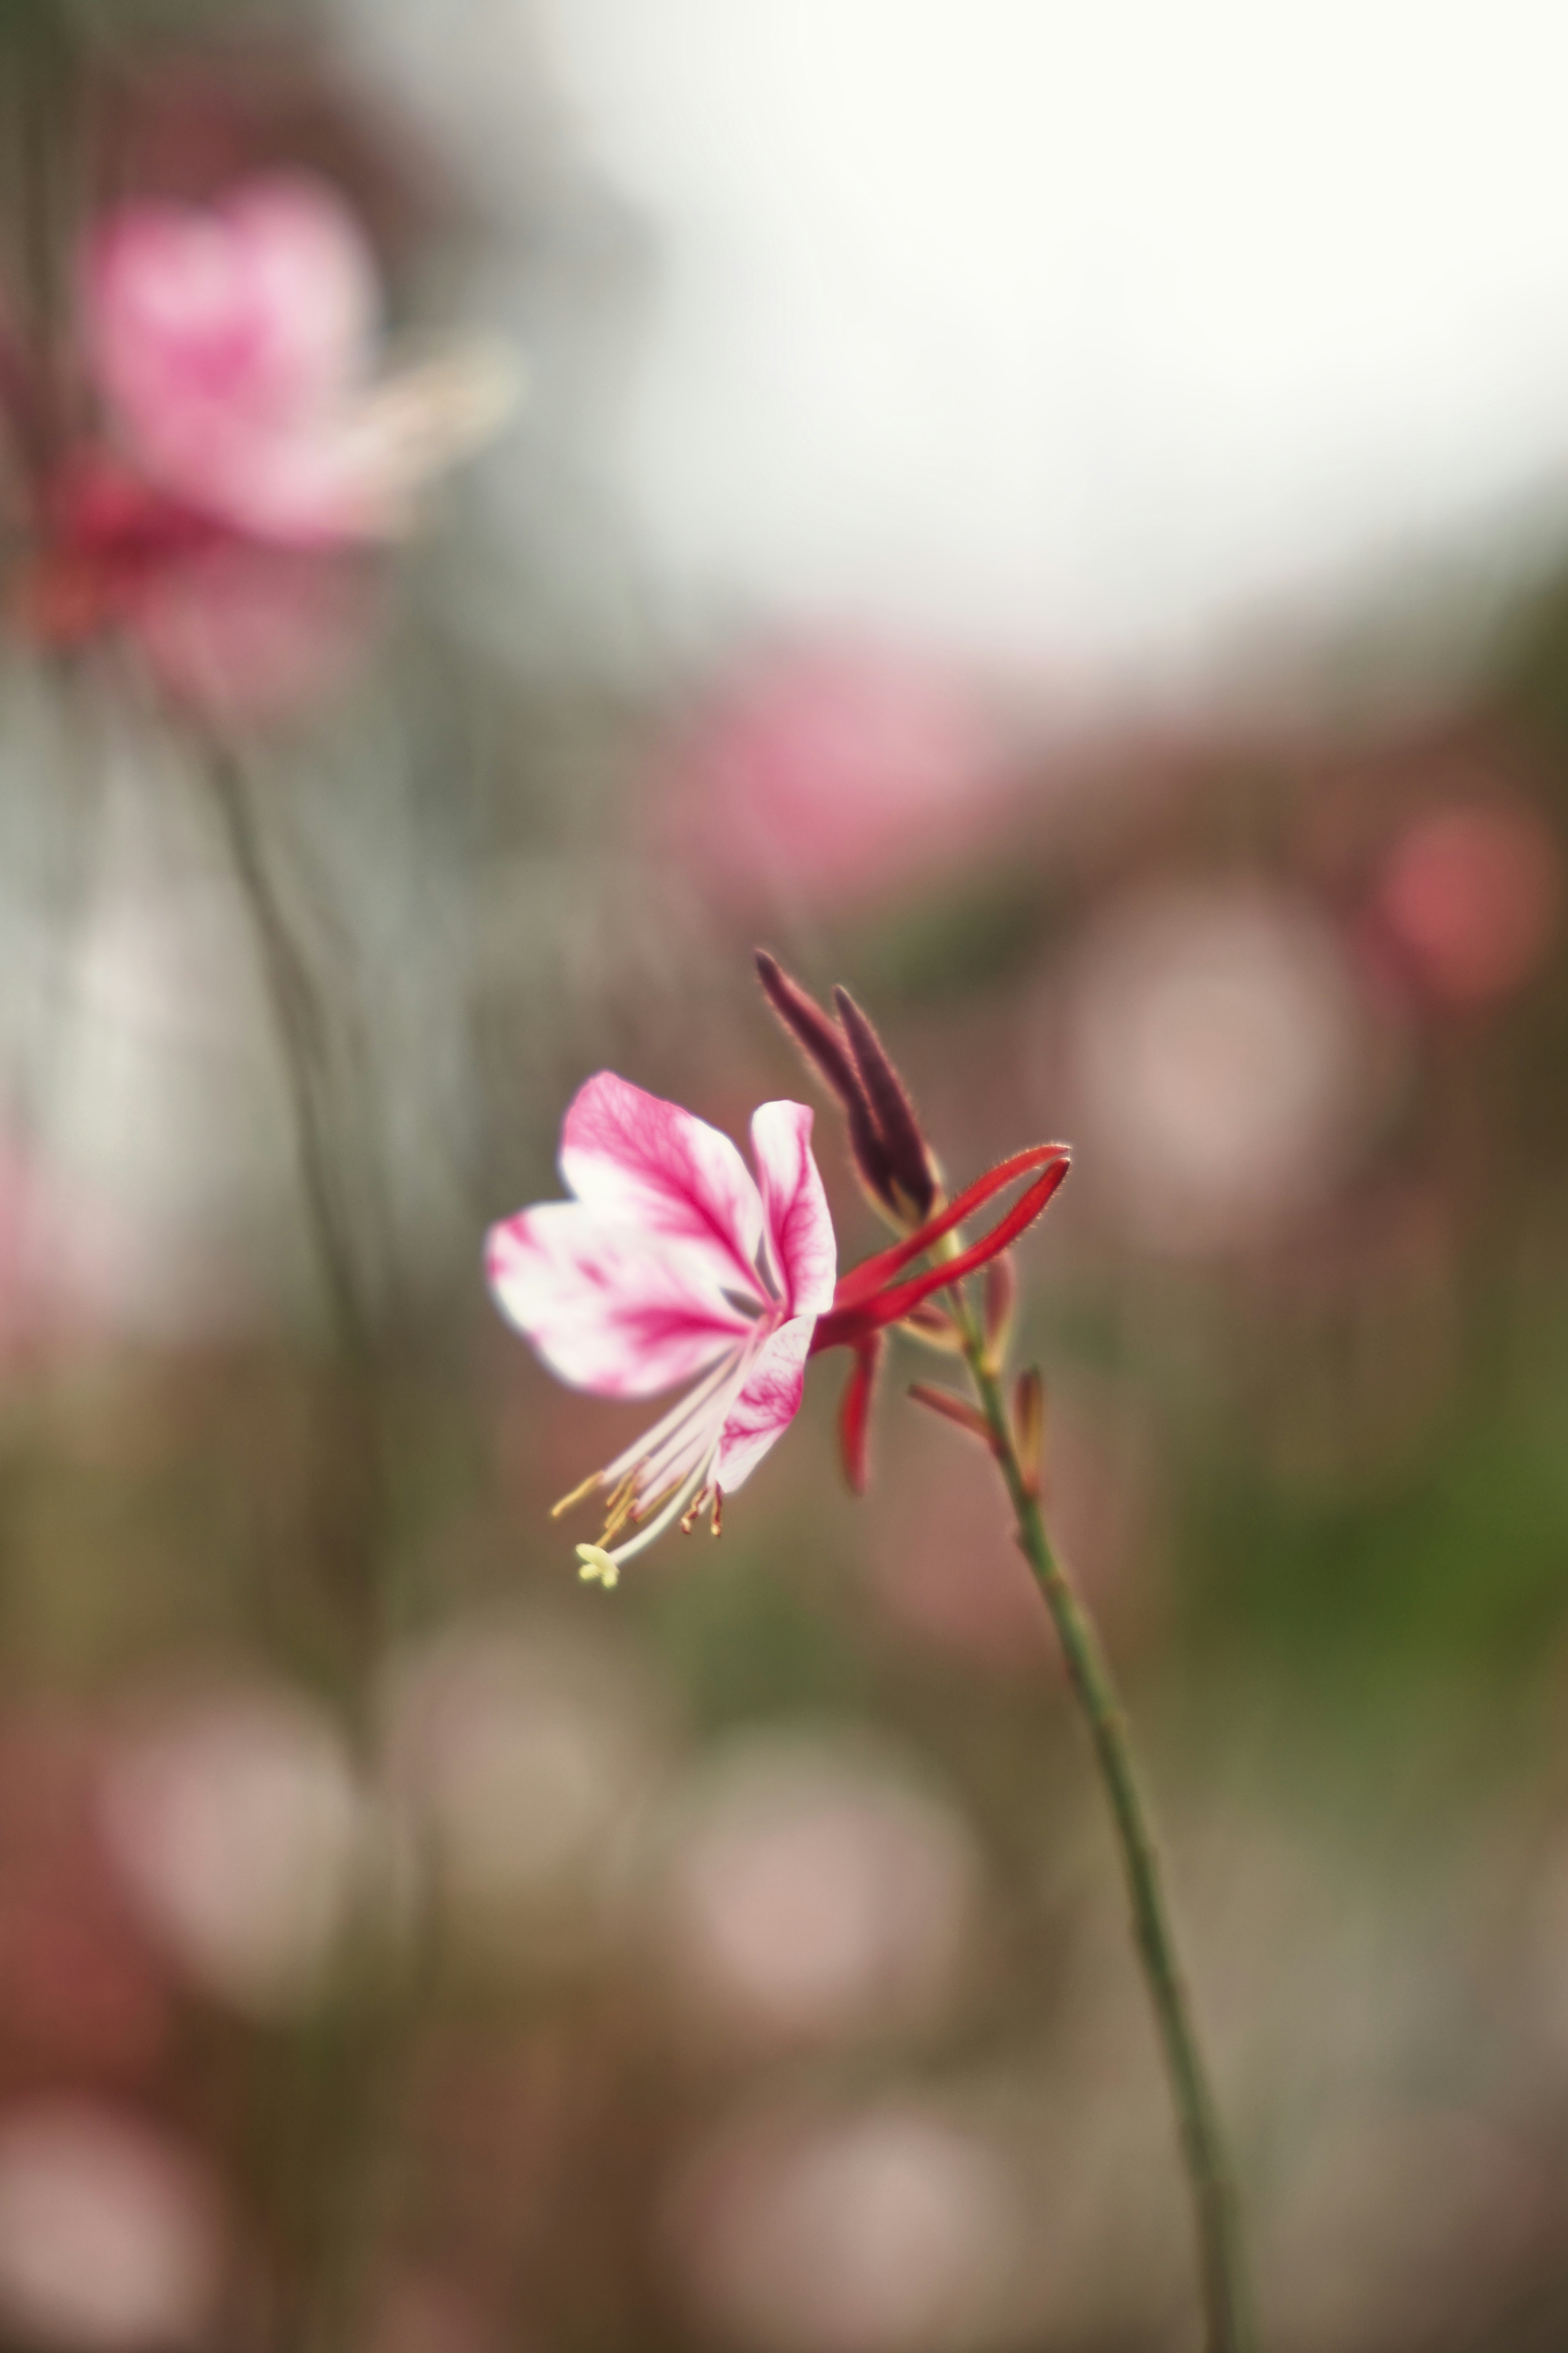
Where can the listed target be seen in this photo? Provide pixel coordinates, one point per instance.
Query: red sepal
(873, 1273)
(855, 1412)
(862, 1305)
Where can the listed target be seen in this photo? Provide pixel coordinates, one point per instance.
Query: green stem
(1225, 2303)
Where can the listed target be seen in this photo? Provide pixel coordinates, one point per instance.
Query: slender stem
(352, 1503)
(348, 1441)
(297, 1013)
(1226, 2301)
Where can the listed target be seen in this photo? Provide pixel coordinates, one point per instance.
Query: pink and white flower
(672, 1264)
(249, 447)
(235, 347)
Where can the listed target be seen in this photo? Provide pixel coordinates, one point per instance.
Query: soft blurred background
(1058, 519)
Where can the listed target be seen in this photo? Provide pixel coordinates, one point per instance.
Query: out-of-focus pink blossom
(673, 1264)
(1472, 894)
(230, 348)
(893, 2230)
(1223, 1062)
(111, 2234)
(833, 775)
(239, 1830)
(248, 446)
(234, 348)
(809, 1895)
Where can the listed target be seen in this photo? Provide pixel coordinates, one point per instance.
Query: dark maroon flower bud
(914, 1176)
(890, 1155)
(827, 1049)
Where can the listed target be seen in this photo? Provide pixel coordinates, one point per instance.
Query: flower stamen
(670, 1506)
(578, 1495)
(623, 1510)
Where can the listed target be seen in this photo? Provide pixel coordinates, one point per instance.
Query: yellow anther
(578, 1495)
(622, 1507)
(598, 1567)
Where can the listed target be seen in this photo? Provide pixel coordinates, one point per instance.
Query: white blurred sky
(1072, 330)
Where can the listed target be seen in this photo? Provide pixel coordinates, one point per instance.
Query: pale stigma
(598, 1567)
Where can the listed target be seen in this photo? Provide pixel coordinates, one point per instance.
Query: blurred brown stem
(1226, 2303)
(351, 1481)
(300, 1035)
(351, 1500)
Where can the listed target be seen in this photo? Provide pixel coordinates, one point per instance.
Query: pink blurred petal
(234, 349)
(795, 1206)
(835, 774)
(607, 1308)
(112, 2233)
(1473, 894)
(244, 632)
(232, 345)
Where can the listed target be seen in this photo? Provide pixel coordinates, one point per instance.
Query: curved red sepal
(862, 1307)
(873, 1273)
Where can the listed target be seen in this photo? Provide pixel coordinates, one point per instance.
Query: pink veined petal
(766, 1405)
(795, 1206)
(649, 1163)
(607, 1309)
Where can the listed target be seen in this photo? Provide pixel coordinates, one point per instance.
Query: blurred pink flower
(1225, 1064)
(233, 348)
(811, 1892)
(249, 444)
(833, 773)
(672, 1264)
(111, 2236)
(893, 2230)
(1472, 894)
(239, 1833)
